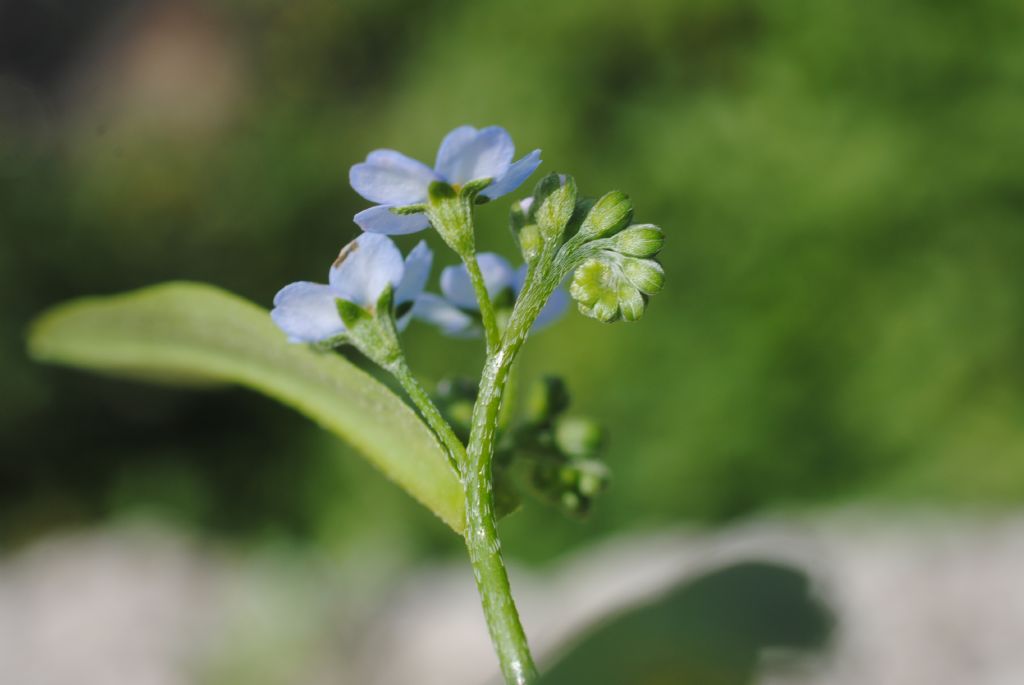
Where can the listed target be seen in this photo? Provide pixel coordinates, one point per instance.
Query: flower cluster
(308, 312)
(610, 261)
(372, 293)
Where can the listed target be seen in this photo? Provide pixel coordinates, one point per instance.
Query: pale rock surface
(921, 600)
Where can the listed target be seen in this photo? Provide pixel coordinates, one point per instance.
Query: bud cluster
(560, 451)
(610, 258)
(616, 279)
(542, 218)
(546, 452)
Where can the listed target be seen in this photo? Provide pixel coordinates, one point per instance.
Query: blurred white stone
(103, 609)
(921, 601)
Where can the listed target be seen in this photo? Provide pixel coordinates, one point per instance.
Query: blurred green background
(841, 184)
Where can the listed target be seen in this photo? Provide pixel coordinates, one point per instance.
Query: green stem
(508, 402)
(482, 541)
(481, 527)
(483, 299)
(452, 217)
(442, 429)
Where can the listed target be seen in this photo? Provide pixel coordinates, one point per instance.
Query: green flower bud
(519, 215)
(556, 206)
(609, 286)
(530, 242)
(578, 437)
(544, 187)
(583, 207)
(573, 503)
(646, 274)
(640, 240)
(609, 215)
(595, 289)
(631, 303)
(593, 478)
(548, 398)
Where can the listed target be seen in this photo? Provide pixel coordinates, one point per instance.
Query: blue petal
(498, 273)
(381, 219)
(467, 154)
(458, 288)
(390, 178)
(365, 267)
(450, 319)
(307, 312)
(417, 270)
(554, 310)
(514, 177)
(525, 204)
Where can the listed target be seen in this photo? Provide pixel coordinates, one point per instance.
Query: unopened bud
(646, 274)
(530, 242)
(557, 198)
(641, 240)
(609, 287)
(593, 478)
(609, 215)
(547, 399)
(578, 437)
(519, 214)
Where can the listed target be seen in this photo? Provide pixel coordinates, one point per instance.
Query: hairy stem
(483, 298)
(482, 541)
(442, 429)
(481, 525)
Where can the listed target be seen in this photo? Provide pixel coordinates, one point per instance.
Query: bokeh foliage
(841, 185)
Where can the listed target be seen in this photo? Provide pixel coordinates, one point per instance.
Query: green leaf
(711, 628)
(190, 332)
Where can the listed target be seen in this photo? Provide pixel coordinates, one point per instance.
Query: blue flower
(457, 313)
(308, 312)
(391, 179)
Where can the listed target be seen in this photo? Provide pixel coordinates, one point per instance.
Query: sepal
(372, 332)
(450, 212)
(407, 210)
(471, 190)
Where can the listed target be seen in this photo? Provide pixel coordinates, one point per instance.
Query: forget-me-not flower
(457, 312)
(391, 179)
(308, 312)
